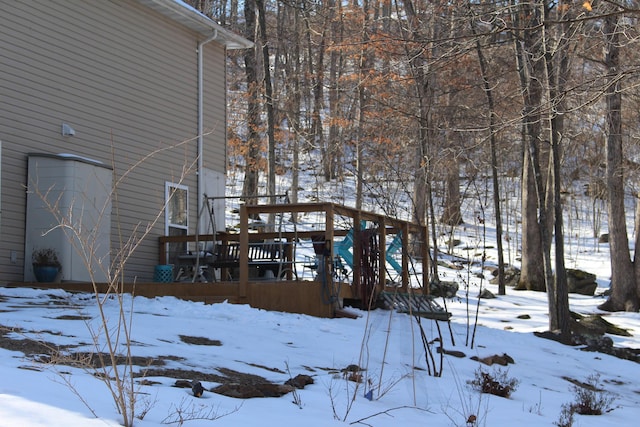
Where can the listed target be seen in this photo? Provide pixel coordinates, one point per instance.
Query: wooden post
(382, 262)
(405, 257)
(287, 259)
(244, 252)
(426, 261)
(328, 237)
(357, 248)
(162, 258)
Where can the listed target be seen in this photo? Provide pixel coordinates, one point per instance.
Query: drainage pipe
(200, 184)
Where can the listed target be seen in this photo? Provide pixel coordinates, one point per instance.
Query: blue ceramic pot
(45, 274)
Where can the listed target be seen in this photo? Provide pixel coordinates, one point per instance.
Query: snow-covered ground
(277, 346)
(396, 387)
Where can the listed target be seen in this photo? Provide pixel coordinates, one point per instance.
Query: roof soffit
(185, 15)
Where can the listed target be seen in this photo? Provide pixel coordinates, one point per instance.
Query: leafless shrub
(497, 383)
(590, 399)
(470, 410)
(147, 405)
(111, 339)
(187, 410)
(296, 396)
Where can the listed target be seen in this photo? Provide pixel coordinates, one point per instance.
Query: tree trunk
(452, 215)
(623, 282)
(494, 158)
(532, 270)
(424, 82)
(316, 76)
(535, 45)
(333, 152)
(290, 27)
(252, 156)
(530, 65)
(268, 93)
(365, 68)
(636, 253)
(557, 73)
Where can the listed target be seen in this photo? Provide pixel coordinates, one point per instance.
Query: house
(107, 108)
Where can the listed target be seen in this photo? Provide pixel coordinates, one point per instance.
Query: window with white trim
(176, 216)
(177, 197)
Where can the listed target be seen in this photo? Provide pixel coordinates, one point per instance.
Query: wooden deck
(304, 297)
(323, 296)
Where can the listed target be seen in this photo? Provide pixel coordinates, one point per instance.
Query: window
(177, 197)
(176, 217)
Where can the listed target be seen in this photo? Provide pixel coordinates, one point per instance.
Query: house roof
(193, 19)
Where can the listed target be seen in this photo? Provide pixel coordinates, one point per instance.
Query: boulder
(486, 294)
(300, 381)
(581, 282)
(595, 324)
(511, 276)
(443, 289)
(247, 391)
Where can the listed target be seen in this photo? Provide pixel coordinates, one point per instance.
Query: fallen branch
(386, 412)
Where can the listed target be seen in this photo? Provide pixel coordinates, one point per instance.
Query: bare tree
(557, 48)
(529, 56)
(487, 86)
(253, 151)
(268, 98)
(624, 295)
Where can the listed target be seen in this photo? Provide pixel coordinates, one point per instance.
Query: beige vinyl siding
(215, 117)
(125, 78)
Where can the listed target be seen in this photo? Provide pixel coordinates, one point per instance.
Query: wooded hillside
(424, 93)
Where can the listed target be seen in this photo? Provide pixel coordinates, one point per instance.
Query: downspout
(200, 166)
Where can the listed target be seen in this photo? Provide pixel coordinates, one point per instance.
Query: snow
(278, 346)
(387, 344)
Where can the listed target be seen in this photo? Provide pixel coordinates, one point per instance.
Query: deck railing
(324, 241)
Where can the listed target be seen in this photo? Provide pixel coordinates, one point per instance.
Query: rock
(581, 282)
(550, 335)
(589, 326)
(599, 326)
(585, 334)
(524, 317)
(602, 344)
(299, 381)
(511, 277)
(183, 384)
(443, 289)
(492, 270)
(486, 294)
(238, 391)
(248, 391)
(604, 238)
(352, 368)
(274, 390)
(502, 360)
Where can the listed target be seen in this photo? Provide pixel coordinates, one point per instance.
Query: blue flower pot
(45, 274)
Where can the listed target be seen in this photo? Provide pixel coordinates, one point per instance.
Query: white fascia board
(184, 14)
